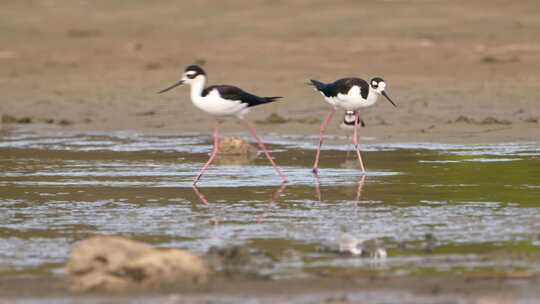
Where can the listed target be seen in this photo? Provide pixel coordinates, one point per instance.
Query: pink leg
(213, 155)
(278, 193)
(263, 148)
(355, 141)
(201, 196)
(321, 137)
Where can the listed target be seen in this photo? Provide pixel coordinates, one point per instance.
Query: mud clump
(8, 119)
(273, 118)
(236, 152)
(236, 146)
(240, 261)
(107, 263)
(465, 119)
(494, 121)
(486, 121)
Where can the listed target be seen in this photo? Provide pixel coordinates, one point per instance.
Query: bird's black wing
(345, 84)
(235, 93)
(327, 89)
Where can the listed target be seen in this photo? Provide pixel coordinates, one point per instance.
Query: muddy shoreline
(460, 72)
(347, 289)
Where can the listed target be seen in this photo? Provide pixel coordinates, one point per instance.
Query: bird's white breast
(354, 100)
(214, 104)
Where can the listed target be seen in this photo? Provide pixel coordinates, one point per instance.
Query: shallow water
(432, 207)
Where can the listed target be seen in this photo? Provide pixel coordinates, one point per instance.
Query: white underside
(213, 103)
(352, 100)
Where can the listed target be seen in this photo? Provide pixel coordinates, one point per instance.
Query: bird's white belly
(215, 105)
(353, 100)
(333, 101)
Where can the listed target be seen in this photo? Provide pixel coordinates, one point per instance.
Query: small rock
(12, 119)
(464, 119)
(309, 120)
(24, 120)
(200, 61)
(83, 33)
(65, 122)
(273, 118)
(114, 264)
(532, 120)
(240, 261)
(147, 113)
(492, 120)
(490, 59)
(236, 146)
(8, 119)
(350, 245)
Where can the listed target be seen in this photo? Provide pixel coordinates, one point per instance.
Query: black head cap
(374, 83)
(194, 68)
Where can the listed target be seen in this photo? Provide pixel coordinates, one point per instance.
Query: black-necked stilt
(349, 94)
(220, 101)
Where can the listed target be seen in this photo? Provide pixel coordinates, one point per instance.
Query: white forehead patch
(191, 73)
(374, 82)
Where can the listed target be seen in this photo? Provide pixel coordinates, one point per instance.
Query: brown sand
(460, 71)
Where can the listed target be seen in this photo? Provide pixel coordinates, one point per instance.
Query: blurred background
(464, 71)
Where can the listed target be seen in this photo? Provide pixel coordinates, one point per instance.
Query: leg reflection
(273, 200)
(317, 187)
(204, 201)
(361, 182)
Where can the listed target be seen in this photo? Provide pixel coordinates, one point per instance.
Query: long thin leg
(277, 194)
(215, 151)
(263, 148)
(321, 137)
(356, 145)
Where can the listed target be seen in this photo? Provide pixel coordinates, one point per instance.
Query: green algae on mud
(434, 208)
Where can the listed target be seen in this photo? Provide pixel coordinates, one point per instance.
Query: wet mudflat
(432, 208)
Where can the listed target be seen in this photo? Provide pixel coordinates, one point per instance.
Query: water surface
(432, 207)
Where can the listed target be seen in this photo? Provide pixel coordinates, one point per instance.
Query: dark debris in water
(240, 261)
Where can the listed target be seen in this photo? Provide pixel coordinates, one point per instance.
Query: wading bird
(222, 101)
(349, 94)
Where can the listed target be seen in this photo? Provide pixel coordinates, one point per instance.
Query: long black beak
(385, 95)
(171, 87)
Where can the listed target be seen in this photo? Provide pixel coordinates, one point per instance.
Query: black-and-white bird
(222, 101)
(349, 94)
